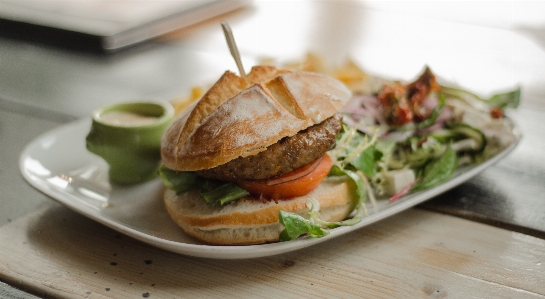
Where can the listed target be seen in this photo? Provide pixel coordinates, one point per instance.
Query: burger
(251, 148)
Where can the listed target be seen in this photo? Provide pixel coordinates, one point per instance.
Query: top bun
(240, 117)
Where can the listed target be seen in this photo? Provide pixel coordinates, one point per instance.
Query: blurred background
(481, 45)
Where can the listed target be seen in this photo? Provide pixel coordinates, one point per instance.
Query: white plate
(58, 164)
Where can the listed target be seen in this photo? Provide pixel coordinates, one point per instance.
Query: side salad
(397, 138)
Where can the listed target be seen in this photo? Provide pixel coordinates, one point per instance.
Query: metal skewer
(233, 48)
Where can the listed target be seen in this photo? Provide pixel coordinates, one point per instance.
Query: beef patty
(282, 157)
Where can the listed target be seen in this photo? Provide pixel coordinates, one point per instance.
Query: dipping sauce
(127, 119)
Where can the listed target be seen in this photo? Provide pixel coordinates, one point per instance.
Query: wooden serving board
(56, 252)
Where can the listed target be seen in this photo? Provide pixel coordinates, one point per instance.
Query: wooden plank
(7, 291)
(56, 252)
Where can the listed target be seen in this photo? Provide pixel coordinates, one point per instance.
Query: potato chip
(181, 104)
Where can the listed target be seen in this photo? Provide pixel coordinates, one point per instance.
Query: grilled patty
(282, 157)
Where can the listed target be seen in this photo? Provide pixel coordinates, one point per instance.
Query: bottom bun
(253, 221)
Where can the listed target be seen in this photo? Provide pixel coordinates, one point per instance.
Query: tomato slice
(288, 188)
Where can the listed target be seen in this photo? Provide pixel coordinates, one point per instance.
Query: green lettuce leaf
(348, 222)
(224, 194)
(214, 192)
(438, 170)
(355, 178)
(366, 161)
(295, 226)
(179, 181)
(509, 99)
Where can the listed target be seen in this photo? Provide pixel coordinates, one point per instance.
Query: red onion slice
(296, 174)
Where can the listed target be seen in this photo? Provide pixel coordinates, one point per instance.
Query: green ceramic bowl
(128, 137)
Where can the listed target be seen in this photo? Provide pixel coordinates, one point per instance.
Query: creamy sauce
(129, 119)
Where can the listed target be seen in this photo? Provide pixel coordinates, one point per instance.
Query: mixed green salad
(396, 139)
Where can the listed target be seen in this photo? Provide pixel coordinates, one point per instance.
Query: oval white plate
(58, 164)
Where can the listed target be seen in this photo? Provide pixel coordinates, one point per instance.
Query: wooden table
(483, 239)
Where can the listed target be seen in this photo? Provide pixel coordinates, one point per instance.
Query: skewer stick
(233, 47)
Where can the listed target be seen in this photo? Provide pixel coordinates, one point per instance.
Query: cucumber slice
(462, 131)
(443, 135)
